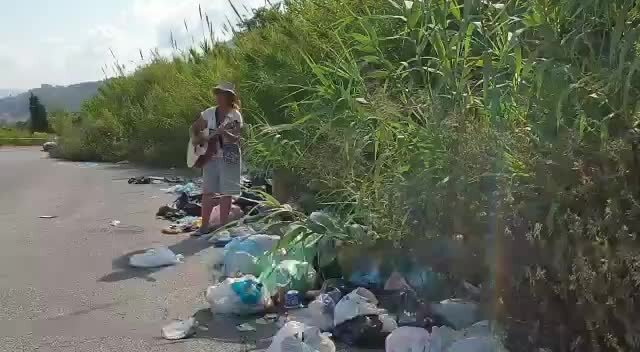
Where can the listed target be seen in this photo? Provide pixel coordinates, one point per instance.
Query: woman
(221, 174)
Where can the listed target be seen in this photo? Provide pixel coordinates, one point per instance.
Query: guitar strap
(218, 124)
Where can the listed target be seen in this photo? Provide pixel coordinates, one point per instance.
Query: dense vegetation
(505, 130)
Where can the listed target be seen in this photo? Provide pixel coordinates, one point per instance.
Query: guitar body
(198, 155)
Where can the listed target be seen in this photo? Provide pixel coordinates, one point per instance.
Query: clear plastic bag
(155, 257)
(357, 303)
(240, 296)
(409, 339)
(298, 337)
(322, 312)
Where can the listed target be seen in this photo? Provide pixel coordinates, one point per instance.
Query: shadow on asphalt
(223, 329)
(122, 271)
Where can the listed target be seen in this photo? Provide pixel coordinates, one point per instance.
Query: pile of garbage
(269, 269)
(362, 311)
(184, 213)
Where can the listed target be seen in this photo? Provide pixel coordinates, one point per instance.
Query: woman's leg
(210, 190)
(208, 203)
(225, 209)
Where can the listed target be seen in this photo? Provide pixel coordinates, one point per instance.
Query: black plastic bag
(363, 331)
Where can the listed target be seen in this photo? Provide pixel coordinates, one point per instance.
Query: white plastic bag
(409, 339)
(179, 329)
(357, 303)
(224, 300)
(442, 337)
(457, 312)
(322, 312)
(388, 323)
(242, 253)
(298, 337)
(155, 257)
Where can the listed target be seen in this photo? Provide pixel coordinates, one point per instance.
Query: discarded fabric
(297, 337)
(141, 180)
(184, 203)
(458, 313)
(179, 329)
(155, 257)
(170, 213)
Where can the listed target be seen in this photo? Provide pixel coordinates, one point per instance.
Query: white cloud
(144, 25)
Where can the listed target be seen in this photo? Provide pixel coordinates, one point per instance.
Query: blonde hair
(233, 99)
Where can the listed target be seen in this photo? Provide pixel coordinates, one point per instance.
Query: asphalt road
(64, 282)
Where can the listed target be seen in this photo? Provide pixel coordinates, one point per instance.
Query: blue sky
(68, 41)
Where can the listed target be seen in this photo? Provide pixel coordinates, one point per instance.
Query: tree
(38, 115)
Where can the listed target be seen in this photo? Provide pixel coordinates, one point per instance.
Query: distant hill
(7, 92)
(68, 98)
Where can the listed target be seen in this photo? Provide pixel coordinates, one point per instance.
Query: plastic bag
(322, 311)
(298, 337)
(289, 274)
(409, 339)
(442, 337)
(234, 214)
(180, 329)
(388, 323)
(241, 254)
(357, 303)
(155, 257)
(362, 331)
(458, 313)
(239, 296)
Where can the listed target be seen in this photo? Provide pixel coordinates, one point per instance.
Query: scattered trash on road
(115, 223)
(155, 257)
(88, 165)
(298, 337)
(179, 329)
(49, 146)
(245, 327)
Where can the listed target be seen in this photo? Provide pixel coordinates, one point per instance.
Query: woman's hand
(199, 139)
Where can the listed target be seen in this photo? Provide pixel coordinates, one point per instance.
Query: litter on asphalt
(179, 329)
